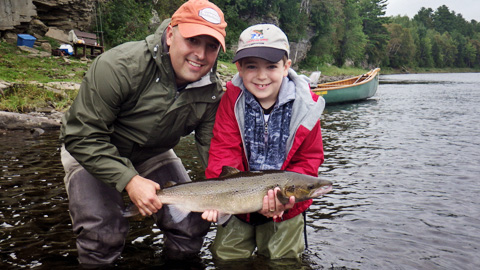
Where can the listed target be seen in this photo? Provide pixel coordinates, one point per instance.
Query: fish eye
(311, 186)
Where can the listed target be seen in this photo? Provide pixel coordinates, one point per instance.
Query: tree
(444, 20)
(401, 48)
(293, 19)
(444, 49)
(323, 18)
(424, 48)
(470, 54)
(352, 40)
(373, 17)
(424, 16)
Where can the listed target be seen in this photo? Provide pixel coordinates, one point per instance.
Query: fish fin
(227, 171)
(169, 184)
(178, 214)
(223, 219)
(131, 210)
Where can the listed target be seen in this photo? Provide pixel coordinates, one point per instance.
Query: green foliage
(166, 8)
(27, 97)
(125, 20)
(293, 19)
(353, 41)
(325, 17)
(423, 54)
(234, 12)
(401, 48)
(425, 17)
(373, 14)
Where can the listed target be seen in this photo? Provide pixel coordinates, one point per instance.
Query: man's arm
(88, 124)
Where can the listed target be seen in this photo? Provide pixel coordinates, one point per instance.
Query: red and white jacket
(304, 145)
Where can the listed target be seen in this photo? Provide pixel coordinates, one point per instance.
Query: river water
(405, 164)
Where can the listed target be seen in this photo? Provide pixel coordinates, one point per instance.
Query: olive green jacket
(128, 109)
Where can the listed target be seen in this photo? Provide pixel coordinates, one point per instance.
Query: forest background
(341, 32)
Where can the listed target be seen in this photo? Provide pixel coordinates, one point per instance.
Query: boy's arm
(226, 147)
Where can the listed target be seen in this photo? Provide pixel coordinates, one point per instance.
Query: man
(134, 104)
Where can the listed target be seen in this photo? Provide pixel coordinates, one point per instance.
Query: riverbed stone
(18, 121)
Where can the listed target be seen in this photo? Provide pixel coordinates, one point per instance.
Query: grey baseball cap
(265, 41)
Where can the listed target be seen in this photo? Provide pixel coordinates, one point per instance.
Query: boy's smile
(263, 78)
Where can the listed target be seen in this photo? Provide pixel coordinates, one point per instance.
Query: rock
(16, 12)
(28, 49)
(10, 38)
(36, 132)
(57, 34)
(4, 85)
(46, 47)
(38, 27)
(10, 120)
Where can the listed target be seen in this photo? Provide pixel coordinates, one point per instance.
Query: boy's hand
(210, 215)
(272, 207)
(143, 193)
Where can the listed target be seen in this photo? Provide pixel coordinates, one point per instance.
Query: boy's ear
(239, 68)
(288, 63)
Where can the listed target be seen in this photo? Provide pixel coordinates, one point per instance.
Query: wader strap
(304, 213)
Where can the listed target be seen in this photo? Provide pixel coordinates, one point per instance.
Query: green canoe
(352, 89)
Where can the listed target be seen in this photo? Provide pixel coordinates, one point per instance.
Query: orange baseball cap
(200, 17)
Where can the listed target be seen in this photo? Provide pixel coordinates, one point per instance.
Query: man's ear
(169, 34)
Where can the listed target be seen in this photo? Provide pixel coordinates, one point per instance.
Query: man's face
(193, 57)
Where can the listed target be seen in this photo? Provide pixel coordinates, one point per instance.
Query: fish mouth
(321, 191)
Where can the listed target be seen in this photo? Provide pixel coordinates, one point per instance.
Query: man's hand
(143, 193)
(272, 207)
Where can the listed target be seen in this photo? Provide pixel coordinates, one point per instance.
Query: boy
(268, 119)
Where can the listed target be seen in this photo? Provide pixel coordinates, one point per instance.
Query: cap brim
(270, 54)
(188, 30)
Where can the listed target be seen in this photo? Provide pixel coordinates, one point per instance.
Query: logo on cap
(210, 15)
(257, 36)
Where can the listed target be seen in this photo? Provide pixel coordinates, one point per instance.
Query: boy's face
(193, 57)
(263, 78)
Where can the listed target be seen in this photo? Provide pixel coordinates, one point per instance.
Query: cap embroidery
(210, 15)
(257, 34)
